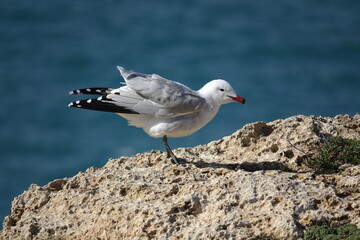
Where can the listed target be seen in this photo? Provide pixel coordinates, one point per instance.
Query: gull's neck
(207, 94)
(212, 106)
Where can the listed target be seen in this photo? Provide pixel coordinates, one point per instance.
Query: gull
(161, 107)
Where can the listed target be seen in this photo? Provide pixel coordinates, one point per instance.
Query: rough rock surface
(251, 184)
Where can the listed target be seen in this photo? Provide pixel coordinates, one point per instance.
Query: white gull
(161, 107)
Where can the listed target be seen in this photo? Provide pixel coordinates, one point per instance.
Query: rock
(251, 184)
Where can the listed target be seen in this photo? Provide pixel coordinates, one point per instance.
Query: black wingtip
(76, 104)
(92, 91)
(98, 105)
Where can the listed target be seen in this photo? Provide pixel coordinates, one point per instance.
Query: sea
(285, 57)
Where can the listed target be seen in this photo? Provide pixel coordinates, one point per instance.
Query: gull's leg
(168, 150)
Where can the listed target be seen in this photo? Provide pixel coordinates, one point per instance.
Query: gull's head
(221, 92)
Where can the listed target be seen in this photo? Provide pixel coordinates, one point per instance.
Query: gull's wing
(160, 97)
(148, 94)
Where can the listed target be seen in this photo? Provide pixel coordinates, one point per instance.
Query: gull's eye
(221, 89)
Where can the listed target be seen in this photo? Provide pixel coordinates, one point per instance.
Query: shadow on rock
(257, 166)
(246, 166)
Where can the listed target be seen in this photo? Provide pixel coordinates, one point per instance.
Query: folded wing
(161, 97)
(148, 94)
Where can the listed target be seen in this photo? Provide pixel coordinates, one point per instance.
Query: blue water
(285, 57)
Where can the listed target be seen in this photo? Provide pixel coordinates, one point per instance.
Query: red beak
(239, 99)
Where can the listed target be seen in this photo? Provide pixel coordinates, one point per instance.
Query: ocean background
(284, 57)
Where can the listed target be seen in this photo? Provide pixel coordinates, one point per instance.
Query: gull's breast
(183, 125)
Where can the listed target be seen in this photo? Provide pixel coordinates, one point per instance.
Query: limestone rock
(251, 184)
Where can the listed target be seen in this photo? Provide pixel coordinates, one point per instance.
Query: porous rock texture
(250, 185)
